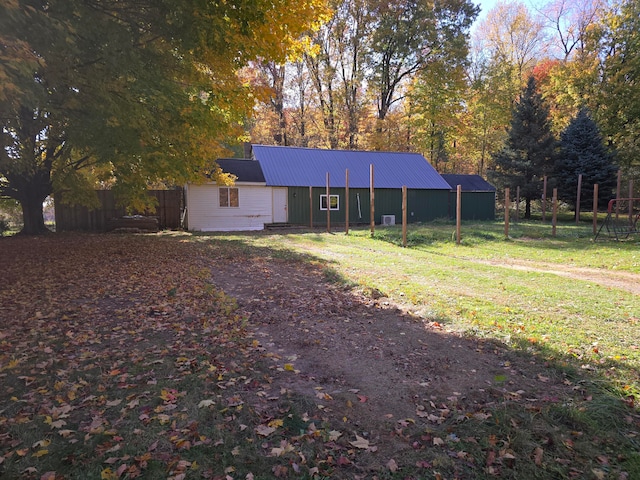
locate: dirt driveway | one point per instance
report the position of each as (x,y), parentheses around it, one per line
(377,365)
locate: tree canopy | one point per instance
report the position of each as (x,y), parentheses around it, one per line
(127,93)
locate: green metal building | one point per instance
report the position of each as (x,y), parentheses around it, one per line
(478,197)
(305,173)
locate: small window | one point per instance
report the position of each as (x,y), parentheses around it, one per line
(334,202)
(229,197)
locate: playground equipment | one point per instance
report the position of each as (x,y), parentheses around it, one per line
(622,221)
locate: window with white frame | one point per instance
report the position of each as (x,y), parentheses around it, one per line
(334,202)
(229,197)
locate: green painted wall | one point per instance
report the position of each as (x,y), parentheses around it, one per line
(475,205)
(422,205)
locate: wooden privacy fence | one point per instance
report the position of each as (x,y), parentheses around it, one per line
(72,218)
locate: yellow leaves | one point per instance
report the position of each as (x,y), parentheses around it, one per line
(41,444)
(276,423)
(54,424)
(13,363)
(283,449)
(108,474)
(170,395)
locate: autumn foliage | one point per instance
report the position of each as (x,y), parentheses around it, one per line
(101,339)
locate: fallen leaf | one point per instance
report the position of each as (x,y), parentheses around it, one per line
(206,403)
(538,454)
(265,430)
(360,443)
(392,465)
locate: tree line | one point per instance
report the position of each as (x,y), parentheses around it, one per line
(451,96)
(128,94)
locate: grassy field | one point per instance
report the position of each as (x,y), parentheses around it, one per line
(120,359)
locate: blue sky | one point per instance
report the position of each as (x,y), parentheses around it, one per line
(485,6)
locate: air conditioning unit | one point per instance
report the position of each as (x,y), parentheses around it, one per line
(388,219)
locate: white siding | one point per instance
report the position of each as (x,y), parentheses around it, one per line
(204,213)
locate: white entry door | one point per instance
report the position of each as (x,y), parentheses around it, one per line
(280,205)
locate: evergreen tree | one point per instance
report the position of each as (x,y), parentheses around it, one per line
(582,151)
(530,148)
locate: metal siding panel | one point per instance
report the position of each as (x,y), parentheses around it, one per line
(292,166)
(475,205)
(426,205)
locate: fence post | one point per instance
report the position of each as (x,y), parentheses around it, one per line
(458,213)
(578,199)
(544,198)
(372,208)
(346,205)
(311,207)
(618,187)
(507,206)
(630,202)
(554,220)
(328,206)
(518,203)
(595,208)
(404,215)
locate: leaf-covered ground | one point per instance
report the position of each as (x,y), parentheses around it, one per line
(134,356)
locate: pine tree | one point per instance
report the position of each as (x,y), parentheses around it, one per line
(582,151)
(529,152)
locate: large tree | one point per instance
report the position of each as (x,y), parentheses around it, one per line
(408,35)
(127,93)
(530,149)
(582,152)
(619,99)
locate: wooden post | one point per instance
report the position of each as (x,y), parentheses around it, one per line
(630,202)
(311,207)
(578,199)
(544,199)
(372,208)
(506,212)
(328,207)
(595,208)
(404,215)
(346,202)
(554,219)
(517,203)
(618,188)
(458,213)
